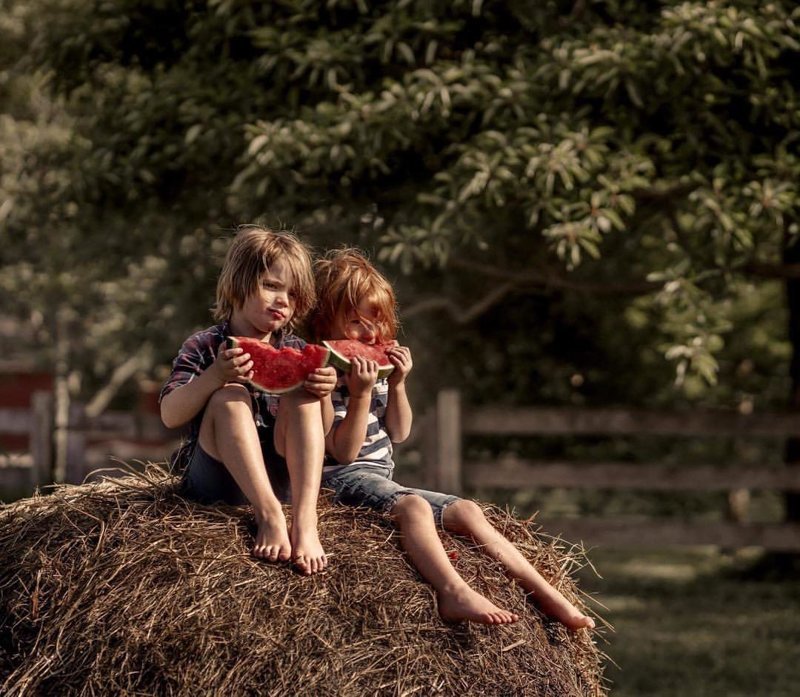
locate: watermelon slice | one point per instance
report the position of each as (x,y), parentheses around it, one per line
(277,371)
(342,350)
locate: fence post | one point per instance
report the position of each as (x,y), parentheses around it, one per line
(428,445)
(75,455)
(447,467)
(41,438)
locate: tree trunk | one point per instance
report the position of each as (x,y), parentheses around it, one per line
(62,397)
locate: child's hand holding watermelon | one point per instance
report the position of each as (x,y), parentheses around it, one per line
(362,377)
(321,382)
(233,365)
(400,356)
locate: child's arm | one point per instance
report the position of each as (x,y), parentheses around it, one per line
(182,404)
(327,414)
(346,440)
(398,410)
(321,383)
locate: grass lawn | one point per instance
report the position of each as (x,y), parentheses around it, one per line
(696,622)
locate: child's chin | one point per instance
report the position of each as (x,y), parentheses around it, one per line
(272,327)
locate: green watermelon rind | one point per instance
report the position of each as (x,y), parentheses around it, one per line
(232,342)
(343,363)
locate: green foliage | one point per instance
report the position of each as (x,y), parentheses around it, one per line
(634,164)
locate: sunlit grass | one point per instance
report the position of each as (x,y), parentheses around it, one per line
(694,622)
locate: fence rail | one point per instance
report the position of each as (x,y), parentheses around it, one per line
(521,474)
(91,442)
(444,431)
(575,421)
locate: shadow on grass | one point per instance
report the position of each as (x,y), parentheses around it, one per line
(773,567)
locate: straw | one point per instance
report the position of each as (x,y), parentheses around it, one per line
(121,586)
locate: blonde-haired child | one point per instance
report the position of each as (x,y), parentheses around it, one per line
(357,302)
(243,443)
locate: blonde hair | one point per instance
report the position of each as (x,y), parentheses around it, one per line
(345,278)
(253,250)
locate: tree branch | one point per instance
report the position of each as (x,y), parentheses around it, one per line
(775,271)
(516,281)
(658,194)
(460,315)
(550,280)
(122,373)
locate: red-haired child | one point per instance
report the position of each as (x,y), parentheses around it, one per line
(356,302)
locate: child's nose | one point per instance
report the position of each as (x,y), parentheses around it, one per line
(368,335)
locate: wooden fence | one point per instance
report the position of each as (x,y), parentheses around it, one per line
(444,431)
(21,473)
(94,442)
(89,444)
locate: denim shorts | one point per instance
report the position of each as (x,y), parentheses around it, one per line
(207,480)
(371,485)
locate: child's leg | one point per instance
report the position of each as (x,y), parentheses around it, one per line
(467,518)
(228,434)
(420,539)
(299,438)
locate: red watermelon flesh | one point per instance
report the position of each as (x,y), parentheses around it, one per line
(277,371)
(342,350)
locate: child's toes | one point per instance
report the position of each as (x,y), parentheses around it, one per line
(302,564)
(509,618)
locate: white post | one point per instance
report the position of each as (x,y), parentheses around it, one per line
(448,441)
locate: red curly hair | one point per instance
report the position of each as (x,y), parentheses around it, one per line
(344,279)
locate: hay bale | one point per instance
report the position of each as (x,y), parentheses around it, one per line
(122,587)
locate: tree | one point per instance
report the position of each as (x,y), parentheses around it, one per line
(634,166)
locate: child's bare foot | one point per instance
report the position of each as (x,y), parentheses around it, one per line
(272,538)
(307,552)
(463,603)
(555,605)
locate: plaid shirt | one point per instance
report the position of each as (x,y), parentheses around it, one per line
(198,352)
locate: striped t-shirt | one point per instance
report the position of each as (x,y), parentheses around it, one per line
(377,447)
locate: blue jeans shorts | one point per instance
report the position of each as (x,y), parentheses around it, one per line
(207,480)
(371,485)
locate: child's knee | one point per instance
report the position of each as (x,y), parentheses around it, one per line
(410,507)
(228,396)
(463,515)
(298,399)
